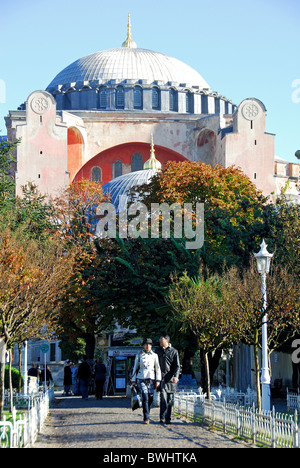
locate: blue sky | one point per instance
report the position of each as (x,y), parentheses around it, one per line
(242,49)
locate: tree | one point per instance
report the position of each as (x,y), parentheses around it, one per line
(32,280)
(284,221)
(283,309)
(203,305)
(133,282)
(234,208)
(75,215)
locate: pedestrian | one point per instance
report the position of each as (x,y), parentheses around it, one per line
(84,374)
(33,384)
(147,376)
(170,368)
(100,376)
(68,378)
(75,380)
(48,376)
(39,375)
(32,371)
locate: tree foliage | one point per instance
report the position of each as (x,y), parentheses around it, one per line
(234,208)
(203,304)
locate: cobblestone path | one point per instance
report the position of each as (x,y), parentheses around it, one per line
(110,423)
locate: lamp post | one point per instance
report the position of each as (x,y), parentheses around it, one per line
(263,258)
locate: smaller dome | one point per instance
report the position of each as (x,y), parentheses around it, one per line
(152,162)
(120,186)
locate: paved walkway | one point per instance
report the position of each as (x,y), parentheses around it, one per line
(110,423)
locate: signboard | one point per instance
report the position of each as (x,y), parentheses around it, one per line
(44,348)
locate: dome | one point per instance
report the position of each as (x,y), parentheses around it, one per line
(121,185)
(127,64)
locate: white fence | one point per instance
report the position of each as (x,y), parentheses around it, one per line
(230,395)
(266,428)
(23,430)
(293,401)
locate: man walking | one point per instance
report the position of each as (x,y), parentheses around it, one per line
(84,374)
(170,368)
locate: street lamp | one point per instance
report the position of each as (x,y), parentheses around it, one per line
(263,258)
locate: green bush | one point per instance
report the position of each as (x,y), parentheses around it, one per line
(15,377)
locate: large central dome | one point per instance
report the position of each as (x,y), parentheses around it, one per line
(128,64)
(133,80)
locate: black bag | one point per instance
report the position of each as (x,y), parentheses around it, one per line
(136,399)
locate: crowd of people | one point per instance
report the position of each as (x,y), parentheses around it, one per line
(42,375)
(77,378)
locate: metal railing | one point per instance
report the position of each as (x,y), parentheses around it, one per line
(23,429)
(270,429)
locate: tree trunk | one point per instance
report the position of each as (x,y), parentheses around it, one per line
(11,393)
(257,372)
(90,345)
(20,367)
(2,376)
(207,375)
(213,362)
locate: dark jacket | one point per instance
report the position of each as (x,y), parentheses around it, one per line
(84,371)
(170,367)
(100,372)
(67,376)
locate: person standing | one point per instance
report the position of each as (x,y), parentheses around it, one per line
(68,378)
(147,376)
(48,377)
(170,368)
(100,376)
(84,374)
(32,371)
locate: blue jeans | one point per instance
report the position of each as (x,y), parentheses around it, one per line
(166,403)
(146,389)
(84,388)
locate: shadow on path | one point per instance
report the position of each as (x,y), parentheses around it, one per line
(110,423)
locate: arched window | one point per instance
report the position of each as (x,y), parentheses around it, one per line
(118,170)
(155,98)
(138,97)
(189,102)
(204,104)
(96,174)
(102,98)
(120,97)
(173,104)
(137,162)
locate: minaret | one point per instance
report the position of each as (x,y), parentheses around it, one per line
(152,162)
(129,43)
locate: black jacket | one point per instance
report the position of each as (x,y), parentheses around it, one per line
(67,376)
(84,371)
(170,367)
(100,372)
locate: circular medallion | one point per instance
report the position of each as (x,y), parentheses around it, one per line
(250,111)
(40,104)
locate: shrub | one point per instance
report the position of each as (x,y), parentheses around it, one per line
(15,377)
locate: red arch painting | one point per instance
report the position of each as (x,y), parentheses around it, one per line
(123,153)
